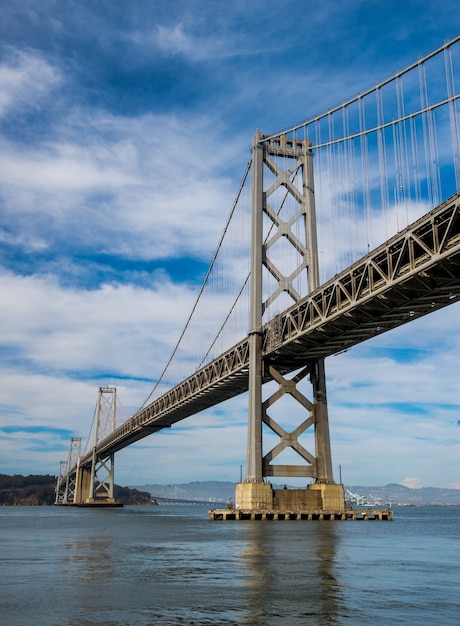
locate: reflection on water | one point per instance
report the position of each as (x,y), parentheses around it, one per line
(85,558)
(253,573)
(291,568)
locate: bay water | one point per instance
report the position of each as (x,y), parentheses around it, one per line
(169,565)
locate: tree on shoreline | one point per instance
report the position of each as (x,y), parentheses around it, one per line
(39,490)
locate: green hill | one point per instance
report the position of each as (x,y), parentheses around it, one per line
(38,490)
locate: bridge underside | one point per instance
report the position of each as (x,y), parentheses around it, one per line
(433,288)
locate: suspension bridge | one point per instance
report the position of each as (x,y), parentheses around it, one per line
(343,227)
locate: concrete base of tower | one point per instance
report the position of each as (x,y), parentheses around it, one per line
(253,496)
(332,495)
(100,502)
(259,501)
(257,496)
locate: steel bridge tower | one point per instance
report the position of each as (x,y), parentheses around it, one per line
(283,175)
(91,483)
(67,478)
(102,467)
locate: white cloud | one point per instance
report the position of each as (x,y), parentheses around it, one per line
(139,187)
(412,483)
(65,167)
(175,41)
(24,79)
(116,329)
(187,39)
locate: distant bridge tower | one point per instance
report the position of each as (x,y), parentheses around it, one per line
(90,482)
(284,226)
(67,479)
(101,481)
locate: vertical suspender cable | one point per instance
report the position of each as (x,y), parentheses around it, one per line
(405,180)
(415,160)
(332,191)
(365,174)
(381,150)
(453,115)
(430,143)
(319,202)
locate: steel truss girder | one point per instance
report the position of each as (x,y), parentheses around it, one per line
(225,375)
(415,273)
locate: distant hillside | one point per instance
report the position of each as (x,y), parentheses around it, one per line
(207,491)
(399,494)
(216,491)
(39,489)
(27,490)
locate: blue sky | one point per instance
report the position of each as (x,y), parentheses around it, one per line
(124,132)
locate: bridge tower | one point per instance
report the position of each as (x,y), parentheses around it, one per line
(66,487)
(282,177)
(89,480)
(97,480)
(60,485)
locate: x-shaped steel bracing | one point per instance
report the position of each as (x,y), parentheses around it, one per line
(288,439)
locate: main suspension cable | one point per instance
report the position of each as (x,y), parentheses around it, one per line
(176,347)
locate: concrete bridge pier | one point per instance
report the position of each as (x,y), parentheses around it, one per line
(83,484)
(315,497)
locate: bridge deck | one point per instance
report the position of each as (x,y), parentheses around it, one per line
(414,273)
